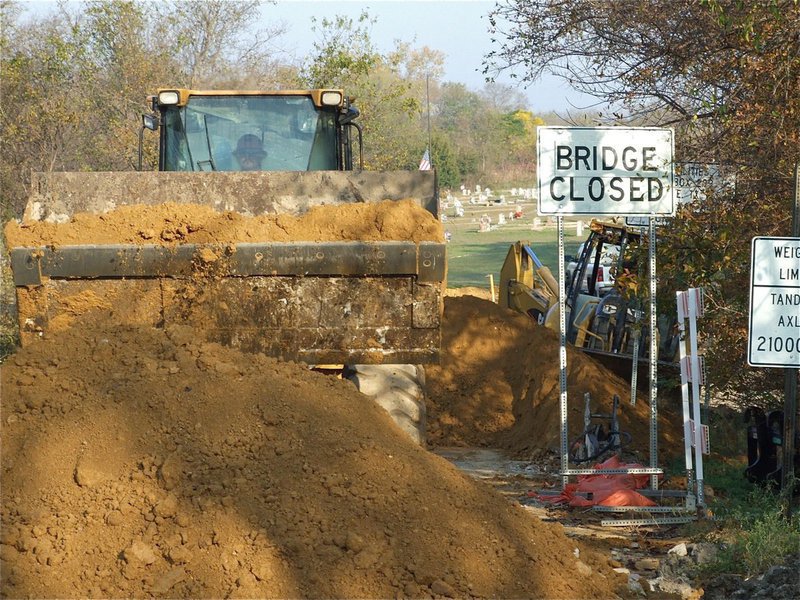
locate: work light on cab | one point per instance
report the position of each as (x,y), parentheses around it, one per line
(331,98)
(168,97)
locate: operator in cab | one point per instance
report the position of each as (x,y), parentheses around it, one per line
(249,152)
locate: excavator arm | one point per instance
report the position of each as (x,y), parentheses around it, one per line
(526,285)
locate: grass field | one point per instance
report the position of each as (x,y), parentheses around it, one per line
(473,255)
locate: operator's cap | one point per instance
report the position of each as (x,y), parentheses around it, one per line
(250,145)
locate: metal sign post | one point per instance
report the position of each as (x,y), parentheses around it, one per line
(790,380)
(562,356)
(605,171)
(653,358)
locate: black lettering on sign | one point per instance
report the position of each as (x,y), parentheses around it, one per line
(553,194)
(596,189)
(605,158)
(787,251)
(563,158)
(783,299)
(617,193)
(788,274)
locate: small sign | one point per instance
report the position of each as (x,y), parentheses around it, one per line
(605,171)
(694,181)
(645,221)
(774,332)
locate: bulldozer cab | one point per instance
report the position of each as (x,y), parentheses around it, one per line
(299,130)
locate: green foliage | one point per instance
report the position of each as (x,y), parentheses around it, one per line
(445,163)
(74,84)
(753,525)
(345,54)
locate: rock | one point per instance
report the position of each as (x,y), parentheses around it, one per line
(441,588)
(583,569)
(679,549)
(675,586)
(354,542)
(647,564)
(779,575)
(703,552)
(261,571)
(412,590)
(166,507)
(87,476)
(8,554)
(139,553)
(635,586)
(163,583)
(114,518)
(179,555)
(787,591)
(722,586)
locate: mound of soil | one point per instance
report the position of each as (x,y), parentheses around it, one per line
(498,385)
(149,463)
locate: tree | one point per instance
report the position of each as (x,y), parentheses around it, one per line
(74,82)
(445,162)
(216,41)
(725,75)
(389,88)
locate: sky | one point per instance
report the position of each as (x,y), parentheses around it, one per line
(457,28)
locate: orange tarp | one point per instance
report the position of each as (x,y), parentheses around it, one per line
(604,489)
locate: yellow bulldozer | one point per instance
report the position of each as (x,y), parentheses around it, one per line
(375,307)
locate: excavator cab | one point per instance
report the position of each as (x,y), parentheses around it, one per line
(598,317)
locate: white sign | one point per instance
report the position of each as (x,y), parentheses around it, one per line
(644,221)
(774,339)
(605,171)
(693,182)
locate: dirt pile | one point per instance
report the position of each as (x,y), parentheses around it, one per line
(170,224)
(498,385)
(145,462)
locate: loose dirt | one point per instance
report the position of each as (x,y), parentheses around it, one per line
(498,385)
(144,462)
(171,224)
(149,462)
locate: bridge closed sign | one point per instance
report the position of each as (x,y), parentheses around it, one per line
(605,171)
(774,332)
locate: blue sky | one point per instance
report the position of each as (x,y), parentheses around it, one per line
(458,28)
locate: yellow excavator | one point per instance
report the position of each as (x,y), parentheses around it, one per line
(374,306)
(603,312)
